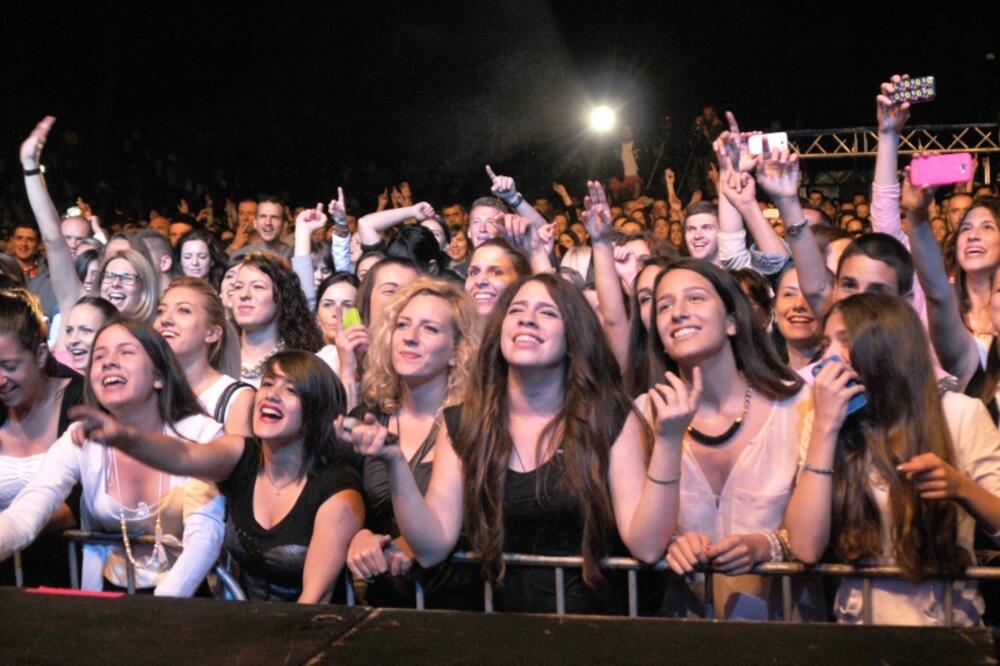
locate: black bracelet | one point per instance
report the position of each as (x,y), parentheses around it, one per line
(33,172)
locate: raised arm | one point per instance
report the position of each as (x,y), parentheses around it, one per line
(778,175)
(647,498)
(306,223)
(610,298)
(431,523)
(809,512)
(65,282)
(370,225)
(214,460)
(955,346)
(505,189)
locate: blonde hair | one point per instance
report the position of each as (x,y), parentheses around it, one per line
(381,387)
(224,353)
(149,283)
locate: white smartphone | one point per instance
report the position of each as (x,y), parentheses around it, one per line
(777,140)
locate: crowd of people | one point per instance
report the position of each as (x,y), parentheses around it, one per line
(758,374)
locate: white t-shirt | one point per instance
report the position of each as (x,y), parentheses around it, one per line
(191,514)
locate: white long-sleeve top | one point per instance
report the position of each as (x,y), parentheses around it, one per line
(191,513)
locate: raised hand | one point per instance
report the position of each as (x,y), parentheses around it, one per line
(738,145)
(891,116)
(383,199)
(687,552)
(97,426)
(521,233)
(670,177)
(778,174)
(831,394)
(560,189)
(916,201)
(674,406)
(397,198)
(597,213)
(31,149)
(547,237)
(182,207)
(421,211)
(503,187)
(310,220)
(338,211)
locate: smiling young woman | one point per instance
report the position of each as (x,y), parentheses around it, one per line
(35,397)
(134,380)
(192,319)
(731,452)
(420,362)
(529,466)
(294,502)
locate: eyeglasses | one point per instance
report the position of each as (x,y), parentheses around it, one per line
(128,279)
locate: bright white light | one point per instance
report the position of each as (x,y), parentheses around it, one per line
(602,119)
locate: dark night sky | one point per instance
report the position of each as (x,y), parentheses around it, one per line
(458,84)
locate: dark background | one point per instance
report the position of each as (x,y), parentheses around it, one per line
(159,98)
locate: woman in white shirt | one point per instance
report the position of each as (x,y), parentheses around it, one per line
(730,455)
(134,376)
(192,319)
(900,481)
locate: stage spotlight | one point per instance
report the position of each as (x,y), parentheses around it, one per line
(602,119)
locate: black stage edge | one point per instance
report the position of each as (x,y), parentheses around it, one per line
(43,629)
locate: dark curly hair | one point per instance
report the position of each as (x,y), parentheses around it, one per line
(296,324)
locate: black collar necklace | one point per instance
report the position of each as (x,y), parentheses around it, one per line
(716,440)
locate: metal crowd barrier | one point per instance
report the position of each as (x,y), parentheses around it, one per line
(786,570)
(74,537)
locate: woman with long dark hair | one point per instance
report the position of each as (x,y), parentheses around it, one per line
(735,416)
(901,480)
(529,467)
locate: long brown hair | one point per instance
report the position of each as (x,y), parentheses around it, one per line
(594,409)
(755,355)
(903,418)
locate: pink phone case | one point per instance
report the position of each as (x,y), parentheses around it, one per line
(941,169)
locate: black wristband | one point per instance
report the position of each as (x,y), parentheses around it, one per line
(33,172)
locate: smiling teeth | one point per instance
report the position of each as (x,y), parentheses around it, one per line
(270,413)
(482,296)
(108,381)
(525,337)
(685,332)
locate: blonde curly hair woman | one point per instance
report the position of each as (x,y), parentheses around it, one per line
(420,361)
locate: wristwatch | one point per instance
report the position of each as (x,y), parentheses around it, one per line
(794,230)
